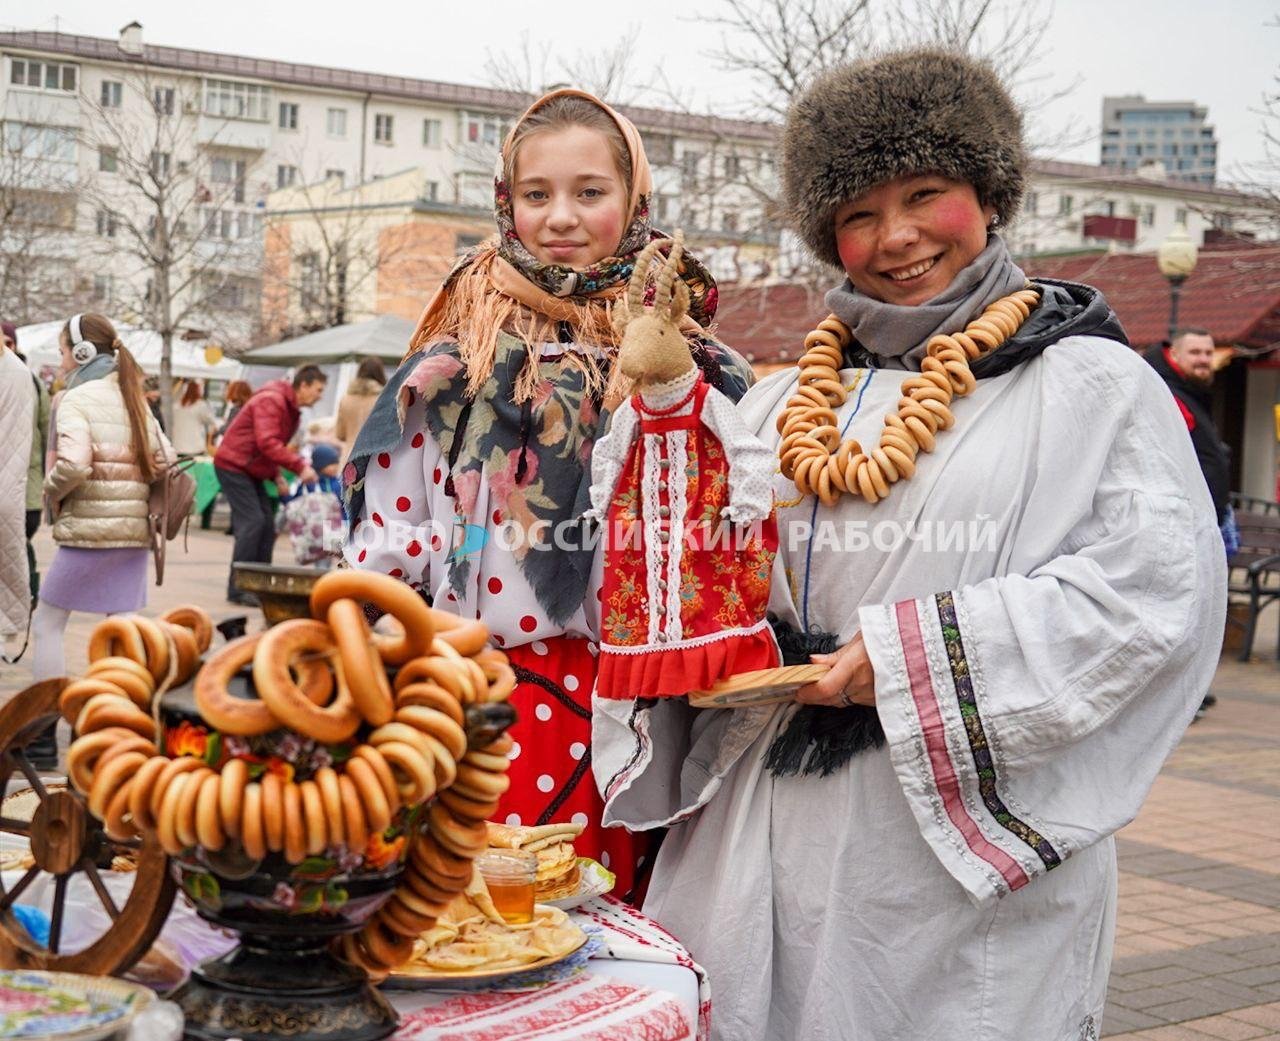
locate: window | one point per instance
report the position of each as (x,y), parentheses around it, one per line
(228,224)
(112,93)
(228,293)
(1033,203)
(160,165)
(431,191)
(42,75)
(162,101)
(431,133)
(666,209)
(339,175)
(309,280)
(382,127)
(732,167)
(286,176)
(55,144)
(233,100)
(689,164)
(729,223)
(764,166)
(1065,205)
(101,289)
(660,148)
(463,243)
(288,115)
(105,224)
(1179,216)
(223,170)
(482,128)
(335,122)
(108,160)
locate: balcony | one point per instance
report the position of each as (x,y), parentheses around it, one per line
(1112,229)
(223,132)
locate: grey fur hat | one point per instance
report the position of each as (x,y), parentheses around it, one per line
(925,110)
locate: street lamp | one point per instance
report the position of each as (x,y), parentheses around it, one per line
(1176,259)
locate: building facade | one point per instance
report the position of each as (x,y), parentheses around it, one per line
(1137,132)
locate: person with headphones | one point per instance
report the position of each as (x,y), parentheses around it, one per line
(108,449)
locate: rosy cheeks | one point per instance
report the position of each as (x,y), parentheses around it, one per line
(855,248)
(952,217)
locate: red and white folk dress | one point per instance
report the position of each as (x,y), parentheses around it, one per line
(690,537)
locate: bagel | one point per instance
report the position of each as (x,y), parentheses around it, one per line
(429,695)
(272,811)
(399,919)
(405,734)
(426,888)
(382,771)
(314,818)
(501,679)
(83,753)
(331,797)
(468,638)
(156,641)
(445,673)
(186,648)
(133,743)
(285,700)
(468,809)
(116,820)
(388,949)
(114,710)
(407,762)
(466,840)
(492,783)
(167,815)
(140,792)
(109,778)
(446,768)
(232,782)
(173,768)
(241,716)
(252,837)
(417,904)
(438,725)
(76,694)
(194,619)
(392,596)
(209,829)
(184,818)
(354,822)
(362,667)
(441,865)
(137,690)
(487,761)
(369,789)
(117,636)
(295,830)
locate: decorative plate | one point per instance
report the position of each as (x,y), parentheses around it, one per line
(66,1006)
(419,977)
(594,880)
(763,687)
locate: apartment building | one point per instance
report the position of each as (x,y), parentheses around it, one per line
(228,131)
(1136,131)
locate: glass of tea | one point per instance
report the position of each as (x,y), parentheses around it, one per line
(510,875)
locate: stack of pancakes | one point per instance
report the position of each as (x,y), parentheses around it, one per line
(553,845)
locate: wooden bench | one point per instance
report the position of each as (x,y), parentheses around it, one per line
(1253,571)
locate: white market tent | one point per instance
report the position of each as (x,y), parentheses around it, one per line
(40,344)
(385,337)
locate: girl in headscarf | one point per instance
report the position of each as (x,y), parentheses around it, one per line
(470,478)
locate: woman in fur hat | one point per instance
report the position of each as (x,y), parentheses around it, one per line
(470,477)
(971,470)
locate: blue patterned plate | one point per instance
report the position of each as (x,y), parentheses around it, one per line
(66,1006)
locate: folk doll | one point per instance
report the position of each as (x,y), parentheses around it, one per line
(685,493)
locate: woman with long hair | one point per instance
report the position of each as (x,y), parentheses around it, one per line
(107,450)
(193,421)
(487,427)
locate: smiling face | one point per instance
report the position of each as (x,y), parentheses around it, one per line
(568,197)
(905,241)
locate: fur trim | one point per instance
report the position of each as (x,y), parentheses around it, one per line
(927,110)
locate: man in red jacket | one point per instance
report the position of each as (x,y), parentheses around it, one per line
(254,449)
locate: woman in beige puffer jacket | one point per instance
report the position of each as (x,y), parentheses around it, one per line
(97,487)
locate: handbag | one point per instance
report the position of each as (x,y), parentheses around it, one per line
(172,495)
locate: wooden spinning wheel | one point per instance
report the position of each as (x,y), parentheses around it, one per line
(65,842)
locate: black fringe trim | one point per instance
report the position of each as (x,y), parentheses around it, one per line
(818,740)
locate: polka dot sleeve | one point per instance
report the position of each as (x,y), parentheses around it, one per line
(395,527)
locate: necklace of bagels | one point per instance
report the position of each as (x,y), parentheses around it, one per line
(812,453)
(323,678)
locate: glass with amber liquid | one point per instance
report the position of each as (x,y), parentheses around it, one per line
(510,875)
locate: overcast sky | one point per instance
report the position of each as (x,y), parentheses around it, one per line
(1219,53)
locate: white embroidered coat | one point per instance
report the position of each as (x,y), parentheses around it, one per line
(959,883)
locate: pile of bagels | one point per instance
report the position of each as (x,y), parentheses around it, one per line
(325,679)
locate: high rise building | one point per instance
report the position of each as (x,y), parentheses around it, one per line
(1138,133)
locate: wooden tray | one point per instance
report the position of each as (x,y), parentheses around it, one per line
(763,687)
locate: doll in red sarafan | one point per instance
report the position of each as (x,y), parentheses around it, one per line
(684,490)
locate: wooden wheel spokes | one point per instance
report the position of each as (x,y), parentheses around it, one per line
(66,841)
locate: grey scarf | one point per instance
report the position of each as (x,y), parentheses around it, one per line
(101,365)
(895,336)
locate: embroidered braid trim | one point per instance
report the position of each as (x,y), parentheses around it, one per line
(811,451)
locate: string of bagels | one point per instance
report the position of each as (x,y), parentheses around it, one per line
(812,453)
(324,678)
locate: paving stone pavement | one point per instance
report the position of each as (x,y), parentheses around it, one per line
(1197,952)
